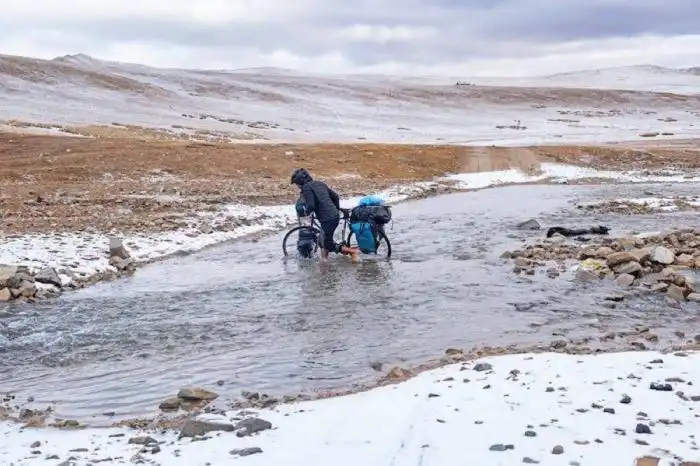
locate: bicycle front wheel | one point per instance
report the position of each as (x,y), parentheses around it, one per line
(288,245)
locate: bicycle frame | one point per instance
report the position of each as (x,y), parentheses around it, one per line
(345,218)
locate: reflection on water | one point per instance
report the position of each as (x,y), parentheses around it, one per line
(242,314)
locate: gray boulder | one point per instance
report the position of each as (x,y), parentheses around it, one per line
(48,276)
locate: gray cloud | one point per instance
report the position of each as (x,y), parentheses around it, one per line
(368,32)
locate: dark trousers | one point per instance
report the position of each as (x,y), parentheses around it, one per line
(328,227)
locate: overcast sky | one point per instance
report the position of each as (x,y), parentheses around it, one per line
(455,37)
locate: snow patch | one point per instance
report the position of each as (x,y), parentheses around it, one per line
(523,406)
(560,173)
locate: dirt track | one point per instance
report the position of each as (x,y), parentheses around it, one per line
(64,183)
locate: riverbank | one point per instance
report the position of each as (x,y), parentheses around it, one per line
(66,199)
(543,408)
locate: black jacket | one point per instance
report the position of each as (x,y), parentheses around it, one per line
(321,200)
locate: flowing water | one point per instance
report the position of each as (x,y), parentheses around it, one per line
(240,314)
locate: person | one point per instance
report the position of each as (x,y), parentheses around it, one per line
(325,203)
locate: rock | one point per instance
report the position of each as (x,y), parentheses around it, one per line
(660,287)
(48,276)
(676,292)
(625,280)
(642,429)
(586,275)
(685,260)
(618,258)
(16,280)
(626,399)
(246,451)
(523,262)
(530,433)
(398,373)
(5,295)
(603,252)
(647,461)
(6,271)
(609,410)
(642,254)
(663,255)
(501,447)
(531,224)
(144,440)
(694,297)
(630,268)
(194,428)
(26,289)
(251,426)
(122,264)
(196,394)
(171,404)
(528,460)
(558,450)
(661,387)
(117,249)
(558,344)
(482,367)
(36,444)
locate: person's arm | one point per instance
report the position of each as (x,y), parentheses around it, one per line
(309,199)
(335,198)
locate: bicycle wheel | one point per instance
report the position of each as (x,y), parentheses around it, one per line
(295,231)
(383,244)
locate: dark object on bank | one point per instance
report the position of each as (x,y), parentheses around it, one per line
(599,230)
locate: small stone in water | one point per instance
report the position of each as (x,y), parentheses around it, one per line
(530,433)
(558,450)
(528,460)
(609,410)
(626,399)
(483,366)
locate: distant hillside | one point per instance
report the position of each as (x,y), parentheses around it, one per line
(277,104)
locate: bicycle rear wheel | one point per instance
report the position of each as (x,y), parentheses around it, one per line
(289,242)
(383,244)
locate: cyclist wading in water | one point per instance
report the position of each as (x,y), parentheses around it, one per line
(325,203)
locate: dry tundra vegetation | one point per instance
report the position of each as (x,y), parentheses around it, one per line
(63,183)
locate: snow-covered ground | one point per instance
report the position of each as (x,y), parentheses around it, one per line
(289,106)
(559,173)
(548,409)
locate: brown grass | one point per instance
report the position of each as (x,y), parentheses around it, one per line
(54,183)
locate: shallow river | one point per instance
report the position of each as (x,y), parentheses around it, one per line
(240,314)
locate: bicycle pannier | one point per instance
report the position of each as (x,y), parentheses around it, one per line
(365,235)
(306,242)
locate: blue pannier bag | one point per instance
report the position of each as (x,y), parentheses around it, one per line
(364,233)
(371,200)
(306,242)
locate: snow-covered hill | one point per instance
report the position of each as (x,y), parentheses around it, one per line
(278,104)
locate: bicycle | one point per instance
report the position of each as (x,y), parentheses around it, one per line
(382,243)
